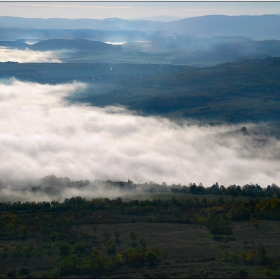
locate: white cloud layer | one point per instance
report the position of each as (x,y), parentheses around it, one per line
(42,134)
(26,56)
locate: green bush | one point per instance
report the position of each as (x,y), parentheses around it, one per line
(151,257)
(64,250)
(135,256)
(68,266)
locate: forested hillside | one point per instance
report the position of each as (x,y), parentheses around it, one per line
(246,90)
(233,92)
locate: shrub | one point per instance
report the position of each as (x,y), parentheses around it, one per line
(151,257)
(135,256)
(119,258)
(243,274)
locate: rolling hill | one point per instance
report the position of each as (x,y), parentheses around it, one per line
(79,44)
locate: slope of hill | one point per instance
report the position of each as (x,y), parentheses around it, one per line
(80,44)
(264,27)
(232,92)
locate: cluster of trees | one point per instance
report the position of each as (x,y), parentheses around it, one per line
(97,262)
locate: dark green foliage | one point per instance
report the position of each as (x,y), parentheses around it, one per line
(69,265)
(64,250)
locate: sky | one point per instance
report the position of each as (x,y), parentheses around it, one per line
(133,10)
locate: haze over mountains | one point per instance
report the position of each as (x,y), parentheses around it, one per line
(199,41)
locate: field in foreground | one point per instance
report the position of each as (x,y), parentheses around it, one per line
(102,238)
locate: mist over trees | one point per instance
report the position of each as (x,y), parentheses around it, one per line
(59,188)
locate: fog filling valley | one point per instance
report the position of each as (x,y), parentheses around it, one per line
(43,134)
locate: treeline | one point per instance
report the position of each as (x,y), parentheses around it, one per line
(253,190)
(21,220)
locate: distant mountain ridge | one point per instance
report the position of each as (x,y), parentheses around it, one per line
(165,18)
(262,27)
(191,51)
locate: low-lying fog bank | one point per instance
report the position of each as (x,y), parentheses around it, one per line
(43,134)
(28,56)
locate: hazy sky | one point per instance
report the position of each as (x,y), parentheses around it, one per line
(133,10)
